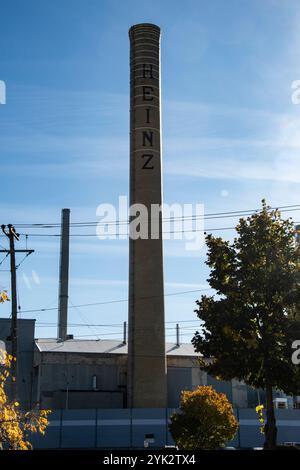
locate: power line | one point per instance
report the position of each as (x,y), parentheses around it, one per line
(55,341)
(125,234)
(85,224)
(81,315)
(23,259)
(4,258)
(288,208)
(209,216)
(213,229)
(193,326)
(91,325)
(120,333)
(111,325)
(115,301)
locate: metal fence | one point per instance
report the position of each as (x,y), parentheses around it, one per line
(126,428)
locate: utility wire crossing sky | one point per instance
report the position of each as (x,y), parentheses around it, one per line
(230,135)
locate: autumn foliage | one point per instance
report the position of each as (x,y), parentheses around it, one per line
(205,420)
(3,297)
(16,425)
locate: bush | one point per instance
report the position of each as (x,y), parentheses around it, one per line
(205,420)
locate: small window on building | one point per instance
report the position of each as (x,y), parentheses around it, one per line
(281,405)
(122,379)
(94,382)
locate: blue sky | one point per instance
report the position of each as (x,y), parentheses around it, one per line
(230,134)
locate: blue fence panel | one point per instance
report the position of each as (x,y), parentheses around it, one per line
(169,438)
(288,423)
(250,435)
(125,428)
(78,429)
(113,428)
(235,442)
(149,421)
(51,438)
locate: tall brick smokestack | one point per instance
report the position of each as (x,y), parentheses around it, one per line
(146,334)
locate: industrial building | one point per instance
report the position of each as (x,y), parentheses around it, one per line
(80,374)
(84,383)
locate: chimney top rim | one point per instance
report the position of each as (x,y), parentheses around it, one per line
(141,26)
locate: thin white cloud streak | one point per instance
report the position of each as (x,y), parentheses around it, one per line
(88,282)
(276,160)
(253,161)
(270,152)
(285,168)
(108,248)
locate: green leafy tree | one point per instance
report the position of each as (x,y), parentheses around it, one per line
(249,326)
(205,420)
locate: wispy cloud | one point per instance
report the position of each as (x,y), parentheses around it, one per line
(273,156)
(94,282)
(267,150)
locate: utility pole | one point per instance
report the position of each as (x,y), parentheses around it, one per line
(297,229)
(12,236)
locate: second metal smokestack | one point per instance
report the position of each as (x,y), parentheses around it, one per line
(63,276)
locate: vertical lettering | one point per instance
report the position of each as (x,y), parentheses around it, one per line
(147,90)
(147,70)
(147,165)
(147,137)
(148,115)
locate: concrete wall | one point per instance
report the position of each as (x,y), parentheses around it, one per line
(126,428)
(65,381)
(68,383)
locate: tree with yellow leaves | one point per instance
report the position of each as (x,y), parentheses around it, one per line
(16,424)
(205,420)
(3,297)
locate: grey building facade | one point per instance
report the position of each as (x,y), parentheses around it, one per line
(84,384)
(79,374)
(83,374)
